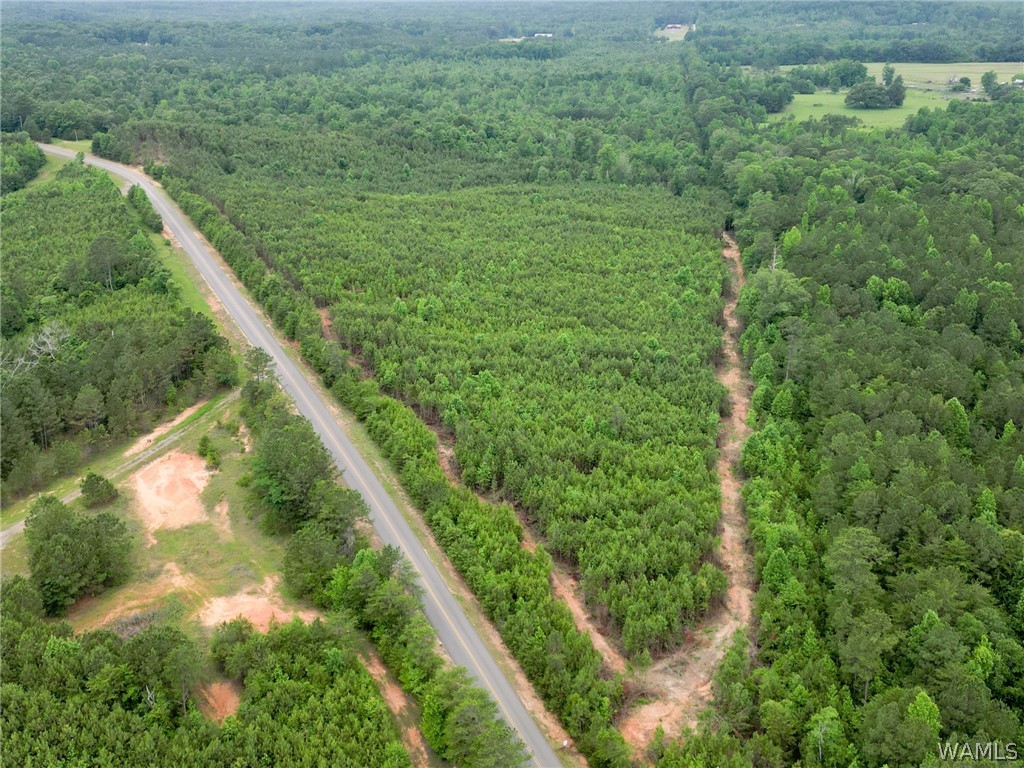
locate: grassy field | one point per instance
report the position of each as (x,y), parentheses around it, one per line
(112,464)
(85,145)
(217,557)
(926,87)
(934,77)
(816,105)
(48,171)
(672,35)
(185,567)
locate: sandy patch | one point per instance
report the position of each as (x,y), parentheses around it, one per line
(146,440)
(682,681)
(261,604)
(167,492)
(245,437)
(219,699)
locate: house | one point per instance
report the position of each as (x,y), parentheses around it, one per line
(673,26)
(543,34)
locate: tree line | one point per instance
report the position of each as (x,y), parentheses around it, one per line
(327,561)
(96,342)
(128,699)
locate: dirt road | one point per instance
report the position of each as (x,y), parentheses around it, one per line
(682,681)
(137,457)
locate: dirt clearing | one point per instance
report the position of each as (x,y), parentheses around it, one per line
(682,681)
(167,492)
(134,598)
(260,604)
(219,699)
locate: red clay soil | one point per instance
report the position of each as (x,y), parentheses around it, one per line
(400,705)
(219,699)
(682,681)
(325,323)
(261,604)
(147,439)
(167,492)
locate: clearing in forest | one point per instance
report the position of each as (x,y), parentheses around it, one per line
(196,558)
(675,32)
(167,492)
(219,699)
(134,607)
(261,604)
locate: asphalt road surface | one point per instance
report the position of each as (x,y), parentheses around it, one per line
(445,614)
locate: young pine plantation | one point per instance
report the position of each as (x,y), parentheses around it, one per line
(496,233)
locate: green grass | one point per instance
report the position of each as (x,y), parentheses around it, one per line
(85,145)
(926,87)
(178,265)
(15,557)
(672,35)
(934,77)
(48,171)
(816,105)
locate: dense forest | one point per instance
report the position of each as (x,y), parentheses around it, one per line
(96,343)
(512,248)
(20,161)
(102,698)
(307,698)
(886,492)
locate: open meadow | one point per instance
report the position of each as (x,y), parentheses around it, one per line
(927,86)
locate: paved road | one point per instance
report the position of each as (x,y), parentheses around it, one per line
(443,611)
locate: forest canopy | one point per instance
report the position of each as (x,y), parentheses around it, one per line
(96,341)
(503,256)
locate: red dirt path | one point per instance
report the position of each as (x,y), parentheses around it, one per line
(682,681)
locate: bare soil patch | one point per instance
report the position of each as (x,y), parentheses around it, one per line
(326,327)
(146,440)
(400,705)
(261,604)
(566,588)
(135,598)
(446,458)
(167,492)
(682,681)
(219,699)
(245,437)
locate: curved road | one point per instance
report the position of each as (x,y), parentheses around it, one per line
(445,614)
